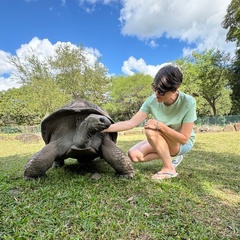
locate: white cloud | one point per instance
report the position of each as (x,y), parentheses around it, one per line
(6,83)
(92,55)
(7,79)
(43,48)
(89,5)
(195,22)
(5,66)
(133,65)
(152,43)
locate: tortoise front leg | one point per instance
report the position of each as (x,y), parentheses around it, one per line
(115,157)
(40,162)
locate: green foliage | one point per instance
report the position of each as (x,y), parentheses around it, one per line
(213,75)
(77,77)
(127,95)
(201,203)
(50,83)
(235,84)
(206,77)
(232,23)
(37,78)
(16,108)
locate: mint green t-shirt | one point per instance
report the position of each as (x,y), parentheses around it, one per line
(183,110)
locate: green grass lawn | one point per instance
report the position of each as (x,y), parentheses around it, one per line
(203,202)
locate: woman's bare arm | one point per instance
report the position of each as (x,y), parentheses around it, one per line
(138,118)
(180,137)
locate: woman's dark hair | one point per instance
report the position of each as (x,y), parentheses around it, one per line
(168,78)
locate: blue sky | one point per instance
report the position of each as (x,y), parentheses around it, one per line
(129,35)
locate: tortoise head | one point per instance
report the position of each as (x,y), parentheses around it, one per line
(96,123)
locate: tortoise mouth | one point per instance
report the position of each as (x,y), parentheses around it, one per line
(97,122)
(103,123)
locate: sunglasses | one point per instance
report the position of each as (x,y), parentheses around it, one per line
(160,92)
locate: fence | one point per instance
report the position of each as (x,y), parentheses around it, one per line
(218,120)
(201,121)
(20,129)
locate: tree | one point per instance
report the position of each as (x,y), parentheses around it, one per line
(232,23)
(16,109)
(127,95)
(235,84)
(191,84)
(56,80)
(36,75)
(206,77)
(212,68)
(76,76)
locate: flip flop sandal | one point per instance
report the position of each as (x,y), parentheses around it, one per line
(161,176)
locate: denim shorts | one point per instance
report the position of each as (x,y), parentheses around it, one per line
(185,148)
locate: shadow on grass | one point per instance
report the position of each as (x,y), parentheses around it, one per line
(205,194)
(197,166)
(207,187)
(13,166)
(72,166)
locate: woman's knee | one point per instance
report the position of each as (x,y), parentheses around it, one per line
(134,155)
(152,134)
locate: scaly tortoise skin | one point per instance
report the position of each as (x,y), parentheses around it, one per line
(74,131)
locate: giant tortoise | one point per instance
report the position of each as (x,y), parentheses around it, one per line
(75,131)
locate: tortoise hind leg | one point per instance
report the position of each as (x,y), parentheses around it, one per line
(115,157)
(58,162)
(40,162)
